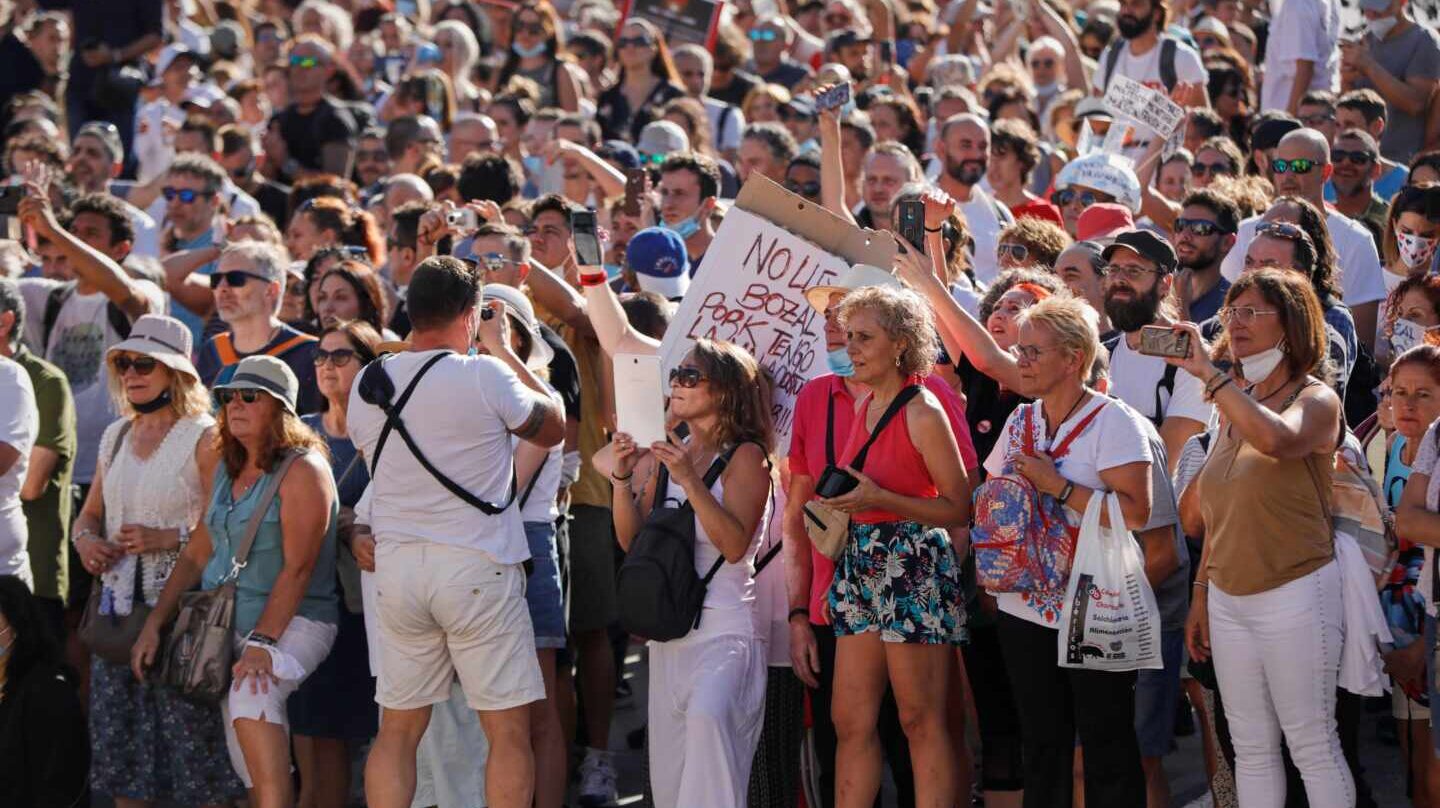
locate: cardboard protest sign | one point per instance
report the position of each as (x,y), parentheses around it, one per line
(1127,98)
(771,247)
(682,22)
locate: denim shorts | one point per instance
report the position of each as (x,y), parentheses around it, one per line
(1156,693)
(542,589)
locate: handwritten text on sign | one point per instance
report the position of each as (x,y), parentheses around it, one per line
(751,291)
(1127,98)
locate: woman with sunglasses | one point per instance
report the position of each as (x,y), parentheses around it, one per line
(285,604)
(1266,603)
(537,52)
(1216,157)
(647,79)
(707,689)
(335,706)
(152,483)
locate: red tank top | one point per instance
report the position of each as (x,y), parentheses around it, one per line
(893,462)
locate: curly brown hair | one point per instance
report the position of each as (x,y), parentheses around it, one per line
(906,318)
(286,432)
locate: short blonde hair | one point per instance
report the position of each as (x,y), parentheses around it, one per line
(188,397)
(906,318)
(1073,322)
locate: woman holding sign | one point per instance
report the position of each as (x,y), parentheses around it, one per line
(707,687)
(1072,444)
(1267,597)
(895,599)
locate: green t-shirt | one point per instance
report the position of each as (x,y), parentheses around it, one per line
(48,518)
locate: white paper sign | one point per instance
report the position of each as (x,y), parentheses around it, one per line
(750,291)
(1150,108)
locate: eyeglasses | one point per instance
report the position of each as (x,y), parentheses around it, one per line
(234,279)
(1213,169)
(186,195)
(1283,230)
(687,377)
(1065,196)
(1202,228)
(338,358)
(1243,315)
(1359,157)
(1030,353)
(1130,272)
(763,35)
(1015,252)
(1318,118)
(142,365)
(808,189)
(1299,165)
(633,42)
(249,395)
(304,62)
(533,28)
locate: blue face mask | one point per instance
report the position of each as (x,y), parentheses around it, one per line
(612,271)
(839,362)
(533,164)
(529,53)
(685,228)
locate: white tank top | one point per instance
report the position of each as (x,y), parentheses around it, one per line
(730,598)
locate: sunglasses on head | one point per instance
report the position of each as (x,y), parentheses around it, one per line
(305,62)
(686,377)
(1359,157)
(234,279)
(339,358)
(1283,230)
(249,395)
(1196,227)
(143,365)
(1299,165)
(186,195)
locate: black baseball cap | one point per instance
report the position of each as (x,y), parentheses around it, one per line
(1269,133)
(1147,245)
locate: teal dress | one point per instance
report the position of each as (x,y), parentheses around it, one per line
(227,519)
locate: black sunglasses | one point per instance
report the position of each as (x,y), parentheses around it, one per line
(1359,157)
(807,189)
(235,278)
(1065,196)
(1203,228)
(1213,169)
(186,195)
(143,365)
(687,377)
(249,395)
(338,358)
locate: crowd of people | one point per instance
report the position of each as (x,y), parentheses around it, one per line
(313,309)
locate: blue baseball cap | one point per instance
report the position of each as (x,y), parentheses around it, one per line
(660,262)
(621,152)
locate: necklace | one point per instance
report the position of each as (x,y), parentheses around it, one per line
(1051,432)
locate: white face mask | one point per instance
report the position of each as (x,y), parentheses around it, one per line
(1257,368)
(1047,89)
(1415,251)
(1381,28)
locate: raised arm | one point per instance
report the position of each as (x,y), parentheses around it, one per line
(612,326)
(610,179)
(89,264)
(832,164)
(1076,74)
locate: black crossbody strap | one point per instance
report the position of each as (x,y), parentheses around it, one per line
(392,411)
(830,431)
(717,467)
(898,403)
(534,478)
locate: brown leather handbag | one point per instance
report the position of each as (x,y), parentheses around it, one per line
(200,648)
(111,636)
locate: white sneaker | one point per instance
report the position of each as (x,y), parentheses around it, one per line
(597,780)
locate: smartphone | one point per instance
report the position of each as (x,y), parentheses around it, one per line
(1162,340)
(634,189)
(463,219)
(912,222)
(640,398)
(887,54)
(587,239)
(833,97)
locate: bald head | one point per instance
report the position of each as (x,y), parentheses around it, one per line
(1302,165)
(404,188)
(1308,144)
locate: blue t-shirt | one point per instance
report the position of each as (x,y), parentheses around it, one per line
(1208,305)
(193,321)
(350,480)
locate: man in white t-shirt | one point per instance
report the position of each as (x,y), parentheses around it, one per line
(72,323)
(963,150)
(727,122)
(1302,53)
(1140,272)
(451,588)
(1145,54)
(19,423)
(1362,281)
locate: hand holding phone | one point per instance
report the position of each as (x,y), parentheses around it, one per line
(463,220)
(833,97)
(639,398)
(1162,340)
(912,222)
(587,238)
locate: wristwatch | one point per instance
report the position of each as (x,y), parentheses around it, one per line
(184,536)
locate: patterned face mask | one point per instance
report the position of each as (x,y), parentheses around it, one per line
(1415,251)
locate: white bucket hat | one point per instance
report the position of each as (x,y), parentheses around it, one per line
(164,339)
(518,306)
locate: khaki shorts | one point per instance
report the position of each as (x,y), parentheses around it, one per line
(447,611)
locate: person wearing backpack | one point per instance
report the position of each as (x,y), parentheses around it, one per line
(707,686)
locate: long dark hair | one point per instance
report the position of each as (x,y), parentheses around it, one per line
(366,284)
(31,639)
(739,390)
(554,42)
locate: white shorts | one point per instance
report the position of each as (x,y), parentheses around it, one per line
(447,611)
(300,650)
(1404,708)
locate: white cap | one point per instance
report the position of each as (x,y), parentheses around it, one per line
(1104,172)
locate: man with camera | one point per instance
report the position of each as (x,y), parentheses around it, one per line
(449,540)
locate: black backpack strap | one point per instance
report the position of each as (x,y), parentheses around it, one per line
(53,303)
(1167,386)
(901,399)
(1113,342)
(1112,58)
(534,478)
(119,320)
(1168,76)
(392,411)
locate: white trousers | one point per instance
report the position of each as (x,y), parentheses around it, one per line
(707,703)
(1277,658)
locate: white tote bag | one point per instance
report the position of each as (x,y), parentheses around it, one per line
(1110,621)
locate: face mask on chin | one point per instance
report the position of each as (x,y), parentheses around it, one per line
(685,228)
(529,53)
(1258,367)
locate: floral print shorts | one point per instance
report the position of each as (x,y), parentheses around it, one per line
(901,579)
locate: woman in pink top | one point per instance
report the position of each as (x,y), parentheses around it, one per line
(895,600)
